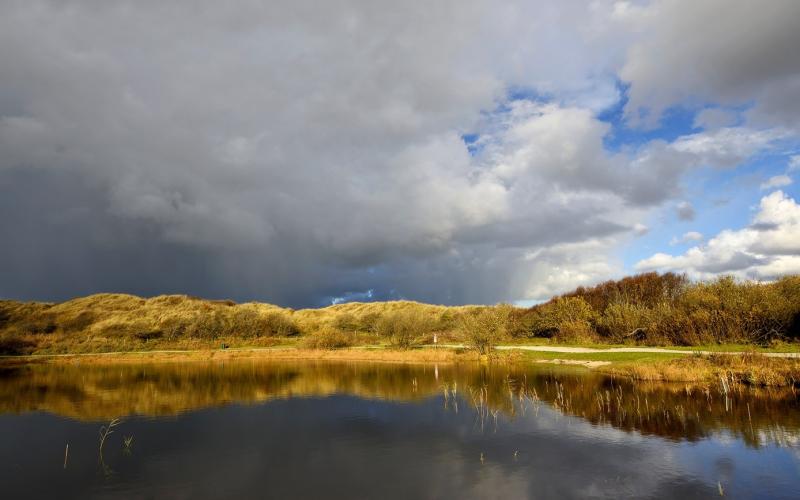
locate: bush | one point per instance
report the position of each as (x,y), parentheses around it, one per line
(251,323)
(519,322)
(725,310)
(789,290)
(173,327)
(38,327)
(346,322)
(624,321)
(647,290)
(669,325)
(328,337)
(548,319)
(369,322)
(281,325)
(149,335)
(15,346)
(484,328)
(79,323)
(37,324)
(402,328)
(247,323)
(575,332)
(208,325)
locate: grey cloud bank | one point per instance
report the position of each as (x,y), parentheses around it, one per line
(299,152)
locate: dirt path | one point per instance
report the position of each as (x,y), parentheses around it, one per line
(535,348)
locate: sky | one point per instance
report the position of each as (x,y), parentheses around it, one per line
(306,153)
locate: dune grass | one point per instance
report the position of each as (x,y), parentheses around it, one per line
(648,309)
(119,322)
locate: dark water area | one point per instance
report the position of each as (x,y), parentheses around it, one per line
(255,429)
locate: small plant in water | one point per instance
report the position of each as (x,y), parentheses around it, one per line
(126,444)
(106,431)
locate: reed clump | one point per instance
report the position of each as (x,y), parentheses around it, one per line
(753,369)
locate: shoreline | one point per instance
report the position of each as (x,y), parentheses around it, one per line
(652,365)
(438,355)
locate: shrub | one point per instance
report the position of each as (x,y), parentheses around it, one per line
(647,289)
(5,316)
(448,320)
(37,324)
(79,323)
(575,332)
(402,328)
(519,322)
(122,329)
(173,327)
(548,319)
(624,321)
(247,323)
(484,328)
(725,310)
(149,335)
(328,337)
(281,325)
(15,346)
(251,323)
(368,322)
(346,322)
(208,325)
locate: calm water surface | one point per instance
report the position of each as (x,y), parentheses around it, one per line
(250,429)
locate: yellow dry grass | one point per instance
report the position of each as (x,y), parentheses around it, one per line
(649,309)
(120,322)
(749,369)
(414,356)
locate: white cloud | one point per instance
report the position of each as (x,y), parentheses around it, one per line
(688,237)
(768,248)
(776,181)
(727,147)
(713,118)
(794,163)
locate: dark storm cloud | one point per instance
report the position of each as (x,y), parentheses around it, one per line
(728,52)
(298,152)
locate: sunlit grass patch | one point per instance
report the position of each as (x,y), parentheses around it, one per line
(749,368)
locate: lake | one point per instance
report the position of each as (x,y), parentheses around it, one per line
(268,429)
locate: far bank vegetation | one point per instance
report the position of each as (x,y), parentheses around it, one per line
(647,309)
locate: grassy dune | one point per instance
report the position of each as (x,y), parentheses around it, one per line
(119,322)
